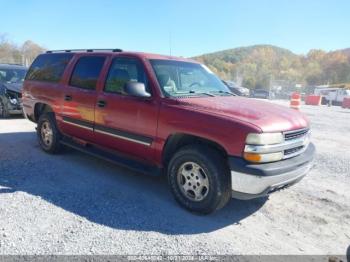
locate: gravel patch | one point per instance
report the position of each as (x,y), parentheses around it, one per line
(76,204)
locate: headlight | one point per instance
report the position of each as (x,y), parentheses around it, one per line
(13,101)
(264,138)
(261,140)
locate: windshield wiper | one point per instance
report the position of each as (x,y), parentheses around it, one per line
(201,93)
(223,92)
(195,93)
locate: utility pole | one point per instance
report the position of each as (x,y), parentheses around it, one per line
(170,42)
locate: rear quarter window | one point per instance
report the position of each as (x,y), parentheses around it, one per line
(48,67)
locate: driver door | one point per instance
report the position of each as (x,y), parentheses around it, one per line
(122,122)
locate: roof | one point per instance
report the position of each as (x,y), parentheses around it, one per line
(157,56)
(141,55)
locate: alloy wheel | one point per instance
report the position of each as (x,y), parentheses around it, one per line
(46,133)
(193,181)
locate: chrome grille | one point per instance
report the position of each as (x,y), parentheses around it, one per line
(295,143)
(292,150)
(290,136)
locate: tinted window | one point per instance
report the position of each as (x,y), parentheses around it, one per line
(87,71)
(48,67)
(122,71)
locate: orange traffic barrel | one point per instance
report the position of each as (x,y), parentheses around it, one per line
(346,102)
(295,101)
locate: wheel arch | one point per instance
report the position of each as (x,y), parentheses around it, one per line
(41,108)
(178,140)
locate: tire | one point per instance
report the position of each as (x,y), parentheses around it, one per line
(324,101)
(48,134)
(4,113)
(202,190)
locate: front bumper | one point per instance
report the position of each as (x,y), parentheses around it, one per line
(258,180)
(13,105)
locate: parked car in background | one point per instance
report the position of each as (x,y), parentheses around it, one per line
(167,116)
(235,89)
(260,93)
(11,81)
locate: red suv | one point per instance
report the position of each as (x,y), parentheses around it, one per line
(165,115)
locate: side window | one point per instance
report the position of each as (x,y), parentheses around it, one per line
(87,71)
(48,67)
(122,71)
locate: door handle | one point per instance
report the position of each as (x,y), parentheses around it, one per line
(68,98)
(101,103)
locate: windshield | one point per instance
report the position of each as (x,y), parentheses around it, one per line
(12,75)
(178,78)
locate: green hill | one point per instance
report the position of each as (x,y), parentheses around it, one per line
(258,65)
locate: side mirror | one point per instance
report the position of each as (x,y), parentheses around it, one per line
(136,89)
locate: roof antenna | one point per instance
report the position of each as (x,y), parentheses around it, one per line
(170,42)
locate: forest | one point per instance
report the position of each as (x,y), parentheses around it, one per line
(256,66)
(23,54)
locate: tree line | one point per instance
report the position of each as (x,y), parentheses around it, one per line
(259,66)
(253,67)
(24,54)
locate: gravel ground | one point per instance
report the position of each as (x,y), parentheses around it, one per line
(75,204)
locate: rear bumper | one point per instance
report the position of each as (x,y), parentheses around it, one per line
(258,180)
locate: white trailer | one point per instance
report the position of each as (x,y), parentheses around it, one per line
(333,95)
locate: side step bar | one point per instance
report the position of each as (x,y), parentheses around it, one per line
(113,158)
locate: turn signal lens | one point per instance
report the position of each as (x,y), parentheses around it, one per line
(252,157)
(263,158)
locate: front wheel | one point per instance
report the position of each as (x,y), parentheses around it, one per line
(199,179)
(48,133)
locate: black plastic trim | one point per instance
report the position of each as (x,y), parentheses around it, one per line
(78,122)
(122,134)
(114,157)
(110,131)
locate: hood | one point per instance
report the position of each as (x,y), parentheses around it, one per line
(16,87)
(267,116)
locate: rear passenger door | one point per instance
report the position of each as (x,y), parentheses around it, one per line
(79,96)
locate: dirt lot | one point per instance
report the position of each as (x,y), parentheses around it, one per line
(76,204)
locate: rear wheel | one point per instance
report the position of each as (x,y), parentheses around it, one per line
(199,179)
(48,133)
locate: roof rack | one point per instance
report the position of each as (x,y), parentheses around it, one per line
(85,50)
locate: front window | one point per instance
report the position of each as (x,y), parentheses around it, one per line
(122,71)
(178,78)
